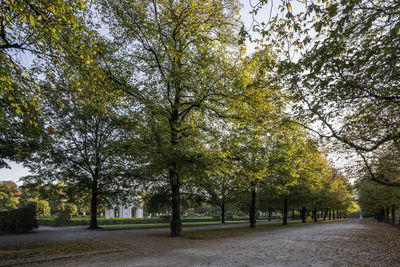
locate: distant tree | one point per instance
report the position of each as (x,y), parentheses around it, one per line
(8,199)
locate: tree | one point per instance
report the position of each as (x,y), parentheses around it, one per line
(8,199)
(259,116)
(347,78)
(176,61)
(353,69)
(88,150)
(373,197)
(33,30)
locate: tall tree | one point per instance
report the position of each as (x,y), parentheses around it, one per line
(181,54)
(88,150)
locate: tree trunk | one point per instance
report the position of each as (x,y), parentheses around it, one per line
(333,214)
(330,215)
(93,205)
(387,213)
(393,214)
(293,215)
(303,214)
(315,215)
(285,211)
(269,214)
(380,215)
(253,207)
(326,212)
(176,225)
(223,212)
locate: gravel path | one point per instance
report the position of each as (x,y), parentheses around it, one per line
(346,243)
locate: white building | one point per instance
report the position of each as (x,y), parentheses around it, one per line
(123,211)
(123,205)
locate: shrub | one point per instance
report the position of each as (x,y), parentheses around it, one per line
(229,217)
(19,220)
(165,219)
(42,208)
(70,209)
(216,218)
(64,217)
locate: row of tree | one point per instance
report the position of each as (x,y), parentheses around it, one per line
(159,96)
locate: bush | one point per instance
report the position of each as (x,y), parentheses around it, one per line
(165,219)
(63,219)
(216,218)
(42,208)
(229,217)
(19,220)
(70,209)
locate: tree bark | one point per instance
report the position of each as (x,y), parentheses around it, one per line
(269,214)
(285,211)
(326,212)
(176,225)
(330,215)
(380,215)
(315,215)
(303,214)
(253,207)
(293,215)
(93,205)
(387,213)
(333,214)
(223,212)
(393,214)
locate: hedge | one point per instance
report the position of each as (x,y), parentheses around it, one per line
(19,220)
(113,221)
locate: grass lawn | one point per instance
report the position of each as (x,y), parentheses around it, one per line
(229,230)
(163,225)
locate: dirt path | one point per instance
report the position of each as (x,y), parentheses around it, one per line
(345,243)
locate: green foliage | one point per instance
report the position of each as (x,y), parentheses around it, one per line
(42,207)
(18,220)
(65,216)
(373,196)
(346,78)
(70,209)
(183,66)
(34,30)
(8,199)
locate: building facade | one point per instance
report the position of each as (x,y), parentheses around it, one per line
(124,210)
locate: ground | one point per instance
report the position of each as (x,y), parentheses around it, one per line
(352,242)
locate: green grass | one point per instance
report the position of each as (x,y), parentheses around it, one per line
(160,225)
(163,225)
